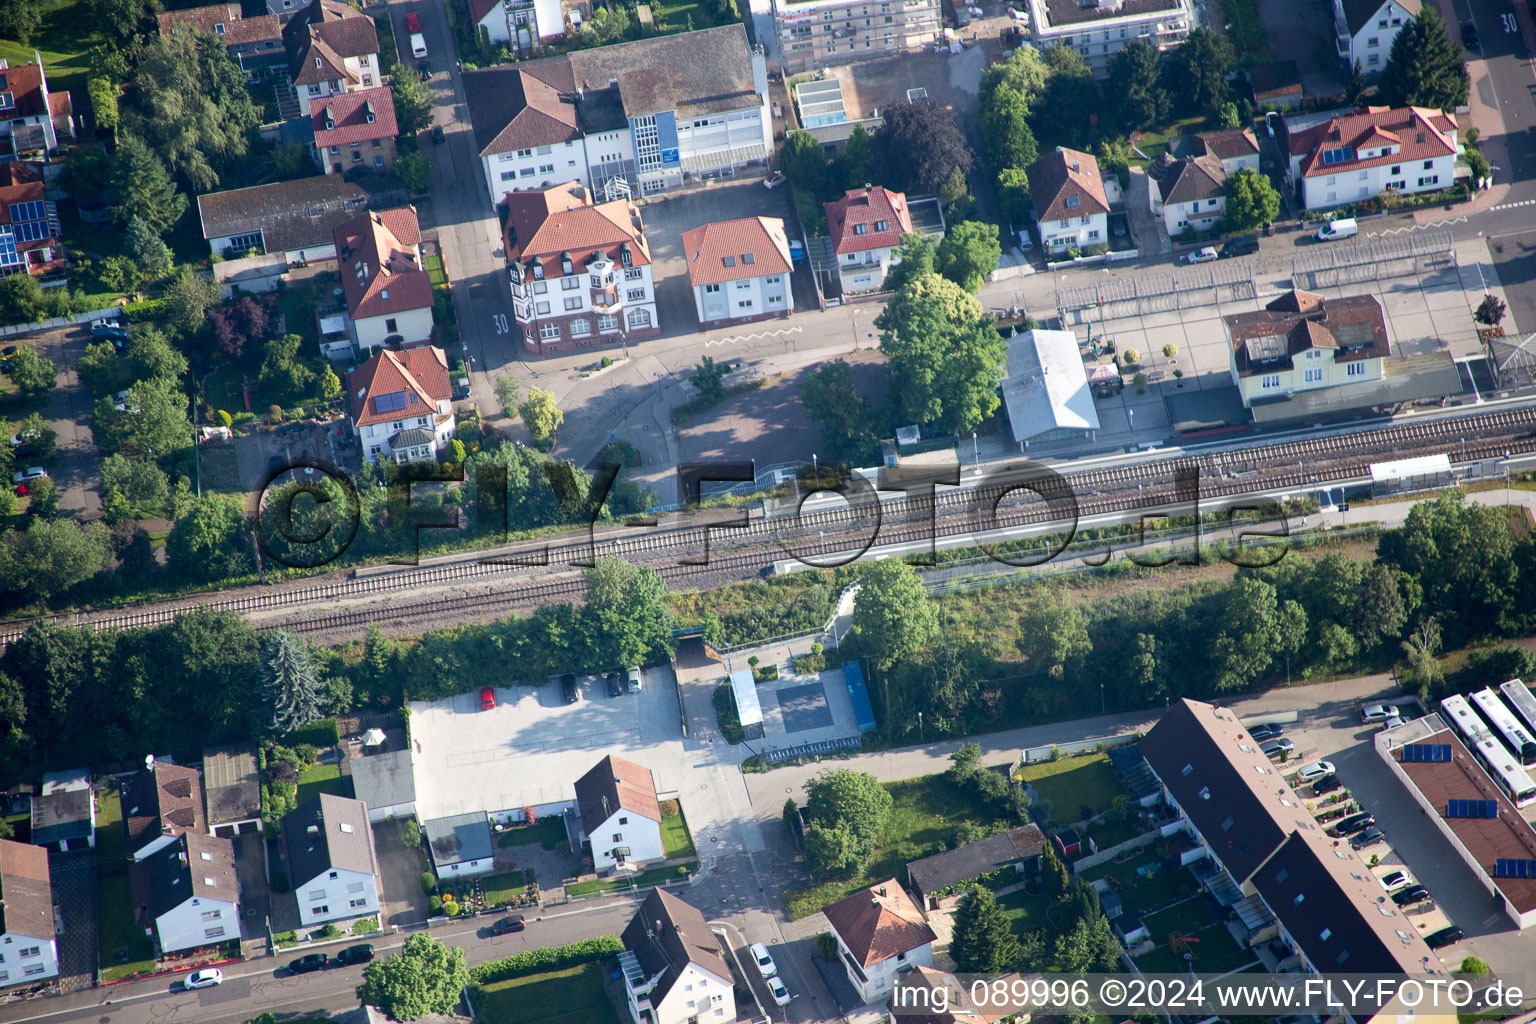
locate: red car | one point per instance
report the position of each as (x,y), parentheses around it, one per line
(412,22)
(487,698)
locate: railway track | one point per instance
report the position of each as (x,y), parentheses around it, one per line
(741,553)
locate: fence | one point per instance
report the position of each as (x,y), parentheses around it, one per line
(1107,854)
(60,321)
(812,749)
(1030,755)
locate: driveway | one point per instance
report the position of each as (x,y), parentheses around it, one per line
(74,895)
(400,869)
(255,892)
(75,463)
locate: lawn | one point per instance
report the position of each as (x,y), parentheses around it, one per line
(66,35)
(1074,787)
(433,264)
(1246,31)
(1212,946)
(503,887)
(676,841)
(548,833)
(317,779)
(117,931)
(1154,141)
(1025,911)
(298,308)
(571,996)
(652,877)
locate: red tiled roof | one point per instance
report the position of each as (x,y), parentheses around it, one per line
(708,248)
(546,118)
(327,31)
(1352,324)
(879,922)
(1420,134)
(379,273)
(236,29)
(421,372)
(1229,144)
(349,113)
(546,225)
(25,84)
(478,9)
(868,207)
(21,183)
(1062,175)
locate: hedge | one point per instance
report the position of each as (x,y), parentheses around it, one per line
(149,309)
(550,958)
(323,733)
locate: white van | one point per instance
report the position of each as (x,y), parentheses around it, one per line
(418,45)
(635,680)
(1344,227)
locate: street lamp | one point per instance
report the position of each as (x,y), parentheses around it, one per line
(816,468)
(1103,707)
(919,727)
(976,451)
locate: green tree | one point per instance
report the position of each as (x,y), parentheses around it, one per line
(121,20)
(1063,113)
(1249,634)
(1462,556)
(892,614)
(154,358)
(330,385)
(1425,68)
(32,373)
(946,359)
(1251,200)
(119,274)
(209,541)
(1013,197)
(1136,84)
(633,618)
(1490,311)
(1196,72)
(104,95)
(87,172)
(1379,612)
(290,689)
(1006,138)
(97,368)
(190,296)
(19,19)
(1421,649)
(1474,965)
(413,108)
(144,187)
(849,812)
(50,556)
(1226,116)
(969,252)
(1024,71)
(1053,636)
(983,941)
(283,373)
(21,300)
(426,976)
(540,414)
(955,194)
(192,106)
(830,398)
(414,171)
(804,164)
(708,378)
(914,257)
(1356,86)
(507,391)
(38,436)
(140,481)
(291,160)
(44,497)
(1054,871)
(854,159)
(153,421)
(149,249)
(1088,946)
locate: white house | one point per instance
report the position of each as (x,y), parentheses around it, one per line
(1235,148)
(672,966)
(1190,193)
(185,892)
(29,954)
(388,293)
(1364,30)
(1071,207)
(460,844)
(295,219)
(1099,30)
(620,815)
(1374,150)
(1301,342)
(33,118)
(332,48)
(740,270)
(866,226)
(328,844)
(401,404)
(879,932)
(523,25)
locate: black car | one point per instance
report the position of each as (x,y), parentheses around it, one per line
(1260,733)
(1411,895)
(568,689)
(306,964)
(424,70)
(1326,784)
(354,955)
(438,135)
(1366,838)
(615,684)
(1246,245)
(1469,35)
(1444,937)
(9,350)
(508,925)
(1355,823)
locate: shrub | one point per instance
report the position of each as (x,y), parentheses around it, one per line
(450,908)
(1130,356)
(320,733)
(286,939)
(726,719)
(826,947)
(550,958)
(435,905)
(330,931)
(367,926)
(428,882)
(410,833)
(149,309)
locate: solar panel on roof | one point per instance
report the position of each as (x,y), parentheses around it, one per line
(1471,808)
(1265,347)
(1426,752)
(1514,867)
(391,402)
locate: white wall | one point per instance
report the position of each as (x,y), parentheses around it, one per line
(1079,231)
(411,324)
(378,434)
(697,994)
(378,814)
(880,979)
(626,828)
(767,294)
(539,167)
(349,894)
(1200,215)
(1372,43)
(16,969)
(190,924)
(1350,185)
(468,868)
(548,19)
(859,274)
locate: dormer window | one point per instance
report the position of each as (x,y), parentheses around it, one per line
(538,271)
(368,114)
(729,261)
(218,30)
(882,225)
(1071,202)
(330,120)
(626,257)
(566,266)
(861,229)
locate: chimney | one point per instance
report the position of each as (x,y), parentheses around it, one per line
(881,890)
(658,926)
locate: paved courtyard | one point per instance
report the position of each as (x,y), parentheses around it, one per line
(74,893)
(802,708)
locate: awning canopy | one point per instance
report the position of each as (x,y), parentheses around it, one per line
(744,688)
(373,737)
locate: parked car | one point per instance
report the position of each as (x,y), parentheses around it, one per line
(774,180)
(796,252)
(1326,784)
(109,329)
(205,978)
(568,691)
(424,71)
(765,965)
(1469,37)
(1344,227)
(412,21)
(1271,120)
(307,964)
(634,680)
(1314,771)
(26,476)
(615,684)
(355,955)
(8,351)
(1366,838)
(1377,713)
(1444,937)
(1411,895)
(23,437)
(1245,245)
(780,993)
(1204,255)
(1354,823)
(509,924)
(120,401)
(438,135)
(1277,746)
(1260,733)
(487,698)
(1395,879)
(461,389)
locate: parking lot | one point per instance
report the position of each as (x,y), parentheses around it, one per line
(530,749)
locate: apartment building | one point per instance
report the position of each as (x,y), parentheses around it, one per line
(328,845)
(256,44)
(29,953)
(33,117)
(672,966)
(401,404)
(866,227)
(1371,151)
(1364,30)
(332,48)
(388,294)
(739,270)
(814,33)
(880,933)
(1099,30)
(355,129)
(185,893)
(1302,342)
(524,26)
(1190,193)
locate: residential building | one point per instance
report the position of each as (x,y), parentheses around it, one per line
(740,270)
(64,813)
(880,932)
(815,33)
(33,118)
(866,227)
(401,404)
(159,804)
(30,228)
(1071,206)
(1098,29)
(525,26)
(1235,148)
(1276,86)
(1360,155)
(1190,193)
(386,783)
(1299,342)
(580,273)
(187,893)
(388,293)
(620,815)
(332,48)
(355,129)
(1045,389)
(460,844)
(232,789)
(1364,30)
(29,952)
(328,844)
(951,1001)
(644,116)
(1018,848)
(673,969)
(256,44)
(297,219)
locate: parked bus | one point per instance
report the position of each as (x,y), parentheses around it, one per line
(1506,726)
(1501,767)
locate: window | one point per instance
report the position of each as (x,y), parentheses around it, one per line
(636,295)
(212,915)
(1312,376)
(357,157)
(744,304)
(618,837)
(581,327)
(1430,180)
(546,168)
(335,150)
(633,275)
(539,287)
(508,175)
(1356,369)
(623,821)
(354,904)
(526,172)
(548,331)
(570,282)
(319,894)
(861,229)
(378,161)
(525,152)
(742,286)
(1429,164)
(775,279)
(640,318)
(1071,203)
(1397,169)
(711,289)
(546,150)
(1270,381)
(356,887)
(574,302)
(213,933)
(391,326)
(1374,58)
(748,258)
(541,308)
(607,322)
(320,910)
(31,969)
(1373,41)
(882,225)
